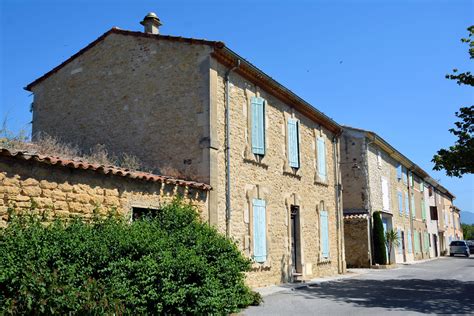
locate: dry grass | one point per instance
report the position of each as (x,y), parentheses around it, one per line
(47,145)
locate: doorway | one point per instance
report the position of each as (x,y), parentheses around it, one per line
(435,244)
(296,266)
(403,246)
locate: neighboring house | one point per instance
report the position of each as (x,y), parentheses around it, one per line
(73,188)
(440,200)
(180,102)
(377,177)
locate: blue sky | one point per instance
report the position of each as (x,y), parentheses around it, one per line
(378,65)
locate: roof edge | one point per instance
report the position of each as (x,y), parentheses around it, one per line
(402,158)
(116,30)
(102,169)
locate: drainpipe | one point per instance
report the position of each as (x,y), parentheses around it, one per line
(339,217)
(227,149)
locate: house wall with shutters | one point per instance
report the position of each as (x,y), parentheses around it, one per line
(146,97)
(271,178)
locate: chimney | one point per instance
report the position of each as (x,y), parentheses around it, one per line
(151,23)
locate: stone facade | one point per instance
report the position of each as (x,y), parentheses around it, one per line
(162,118)
(164,101)
(376,179)
(357,241)
(70,192)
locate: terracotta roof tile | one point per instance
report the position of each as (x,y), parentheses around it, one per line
(106,170)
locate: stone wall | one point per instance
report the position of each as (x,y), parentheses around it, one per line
(70,192)
(273,180)
(354,171)
(135,95)
(356,241)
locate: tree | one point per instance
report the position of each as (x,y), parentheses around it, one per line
(458,159)
(467,231)
(380,255)
(391,240)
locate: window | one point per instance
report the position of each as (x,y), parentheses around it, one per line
(410,179)
(413,208)
(417,242)
(258,126)
(324,238)
(400,203)
(259,230)
(423,210)
(321,153)
(407,205)
(410,249)
(142,213)
(293,143)
(400,245)
(399,172)
(385,195)
(379,158)
(404,175)
(422,186)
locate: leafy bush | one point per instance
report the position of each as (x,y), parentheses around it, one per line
(380,254)
(172,264)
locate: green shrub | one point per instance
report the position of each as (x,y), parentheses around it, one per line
(171,264)
(380,254)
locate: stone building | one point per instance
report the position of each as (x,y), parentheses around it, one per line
(377,177)
(198,107)
(69,188)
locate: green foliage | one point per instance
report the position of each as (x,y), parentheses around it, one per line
(457,159)
(391,240)
(468,231)
(172,264)
(380,255)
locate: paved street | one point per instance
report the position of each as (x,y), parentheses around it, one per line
(442,286)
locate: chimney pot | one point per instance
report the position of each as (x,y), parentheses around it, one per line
(151,23)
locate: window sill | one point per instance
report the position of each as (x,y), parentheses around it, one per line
(256,163)
(261,265)
(320,181)
(292,174)
(322,261)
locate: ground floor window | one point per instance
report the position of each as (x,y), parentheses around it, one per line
(142,213)
(259,230)
(324,231)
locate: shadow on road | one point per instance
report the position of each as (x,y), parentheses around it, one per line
(424,296)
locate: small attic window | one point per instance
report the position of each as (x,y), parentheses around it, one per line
(141,213)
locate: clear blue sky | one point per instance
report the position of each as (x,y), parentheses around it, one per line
(368,64)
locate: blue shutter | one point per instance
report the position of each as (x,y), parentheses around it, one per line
(259,231)
(324,233)
(410,249)
(293,150)
(413,206)
(321,148)
(407,204)
(399,171)
(423,210)
(404,175)
(417,242)
(400,203)
(258,126)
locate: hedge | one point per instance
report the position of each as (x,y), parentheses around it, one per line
(171,264)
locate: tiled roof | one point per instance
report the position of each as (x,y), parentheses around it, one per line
(355,216)
(106,170)
(228,58)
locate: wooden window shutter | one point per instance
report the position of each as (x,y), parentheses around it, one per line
(324,233)
(321,148)
(400,202)
(399,171)
(258,126)
(407,205)
(293,146)
(410,249)
(259,231)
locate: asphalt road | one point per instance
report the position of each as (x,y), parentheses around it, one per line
(442,286)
